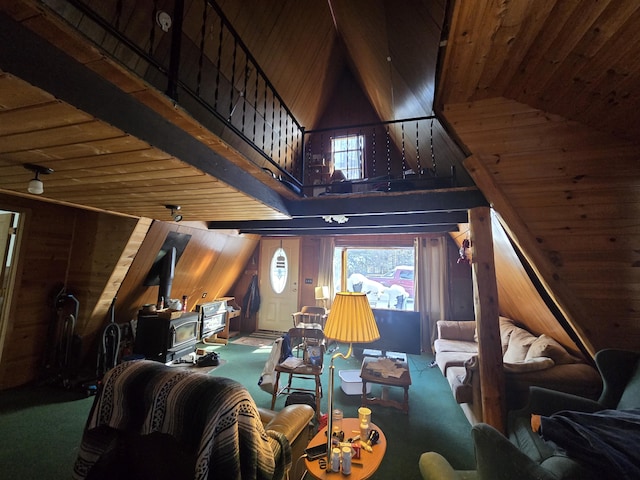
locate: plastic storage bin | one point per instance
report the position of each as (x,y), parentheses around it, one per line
(351,383)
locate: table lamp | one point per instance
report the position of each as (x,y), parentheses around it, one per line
(350,321)
(322,293)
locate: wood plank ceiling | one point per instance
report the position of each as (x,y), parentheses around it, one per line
(544,96)
(114,150)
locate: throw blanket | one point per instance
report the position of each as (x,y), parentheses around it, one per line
(213,417)
(268,372)
(607,441)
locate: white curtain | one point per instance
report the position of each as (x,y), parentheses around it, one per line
(325,266)
(432,289)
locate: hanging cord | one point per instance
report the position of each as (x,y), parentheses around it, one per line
(418,166)
(434,166)
(404,158)
(388,139)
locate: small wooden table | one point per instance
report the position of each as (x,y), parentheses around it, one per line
(369,375)
(362,467)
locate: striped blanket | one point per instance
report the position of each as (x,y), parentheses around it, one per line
(215,418)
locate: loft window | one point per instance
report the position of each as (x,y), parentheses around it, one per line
(348,155)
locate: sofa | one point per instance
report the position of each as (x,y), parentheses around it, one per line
(527,454)
(150,420)
(527,359)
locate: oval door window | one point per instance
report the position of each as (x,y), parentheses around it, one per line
(279,270)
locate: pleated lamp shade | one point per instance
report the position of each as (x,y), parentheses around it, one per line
(351,319)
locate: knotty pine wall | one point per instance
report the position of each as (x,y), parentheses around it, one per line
(568,196)
(211,263)
(95,256)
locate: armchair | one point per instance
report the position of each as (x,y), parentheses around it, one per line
(308,367)
(310,315)
(154,421)
(524,454)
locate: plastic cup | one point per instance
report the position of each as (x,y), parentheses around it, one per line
(336,420)
(364,414)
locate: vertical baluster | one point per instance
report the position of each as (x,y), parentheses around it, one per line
(264,123)
(119,15)
(176,47)
(255,109)
(286,141)
(203,34)
(233,77)
(273,121)
(218,66)
(152,33)
(243,94)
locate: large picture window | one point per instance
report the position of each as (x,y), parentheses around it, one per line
(386,275)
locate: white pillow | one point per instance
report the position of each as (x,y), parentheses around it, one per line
(532,365)
(519,343)
(545,346)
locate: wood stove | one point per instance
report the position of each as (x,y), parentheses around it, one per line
(166,339)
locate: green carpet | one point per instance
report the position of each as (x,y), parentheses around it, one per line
(41,427)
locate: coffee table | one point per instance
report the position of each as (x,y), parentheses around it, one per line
(362,467)
(372,375)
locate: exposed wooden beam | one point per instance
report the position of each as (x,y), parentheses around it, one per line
(487,313)
(456,199)
(371,221)
(336,229)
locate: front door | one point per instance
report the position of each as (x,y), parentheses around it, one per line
(278,282)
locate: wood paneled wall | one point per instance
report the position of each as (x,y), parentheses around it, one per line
(60,247)
(568,196)
(96,256)
(211,263)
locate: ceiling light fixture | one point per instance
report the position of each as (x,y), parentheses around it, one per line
(174,208)
(35,184)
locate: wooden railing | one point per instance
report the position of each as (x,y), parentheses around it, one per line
(204,66)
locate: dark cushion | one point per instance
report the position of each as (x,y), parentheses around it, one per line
(631,395)
(156,456)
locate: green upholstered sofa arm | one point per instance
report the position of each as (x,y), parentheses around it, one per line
(543,401)
(434,466)
(620,371)
(498,459)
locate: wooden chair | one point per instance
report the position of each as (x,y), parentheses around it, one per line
(310,315)
(308,349)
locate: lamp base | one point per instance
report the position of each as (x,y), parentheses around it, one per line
(332,370)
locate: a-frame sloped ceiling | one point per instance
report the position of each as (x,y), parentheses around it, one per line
(544,97)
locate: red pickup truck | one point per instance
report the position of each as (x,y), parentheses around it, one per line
(401,275)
